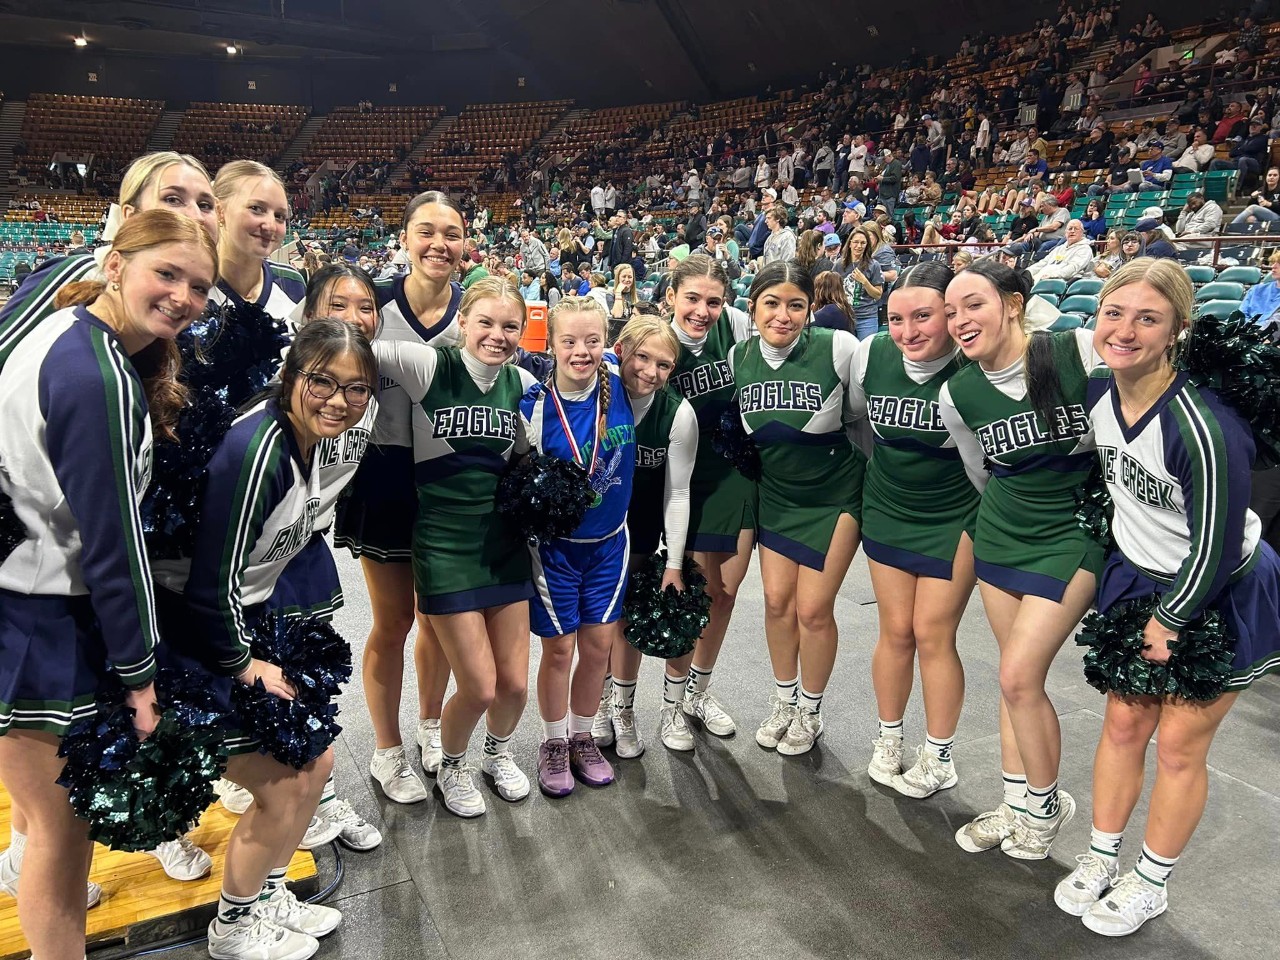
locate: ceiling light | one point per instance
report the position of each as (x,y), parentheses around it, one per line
(81,42)
(232,49)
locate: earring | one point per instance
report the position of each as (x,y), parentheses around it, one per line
(115,286)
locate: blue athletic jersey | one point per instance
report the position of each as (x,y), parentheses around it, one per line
(615,462)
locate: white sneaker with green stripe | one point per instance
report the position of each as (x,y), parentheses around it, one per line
(1031,839)
(1129,904)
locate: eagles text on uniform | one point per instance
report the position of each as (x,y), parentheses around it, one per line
(480,421)
(909,413)
(780,395)
(706,378)
(1024,430)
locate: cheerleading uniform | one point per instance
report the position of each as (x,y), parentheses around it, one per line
(1026,538)
(76,600)
(666,449)
(466,427)
(260,509)
(33,300)
(376,520)
(722,501)
(917,500)
(794,401)
(582,579)
(1179,483)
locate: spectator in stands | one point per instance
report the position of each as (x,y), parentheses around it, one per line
(781,243)
(851,217)
(1156,170)
(597,201)
(1262,302)
(1231,124)
(533,253)
(1051,229)
(721,247)
(76,245)
(610,198)
(863,282)
(741,175)
(1094,220)
(530,286)
(1109,260)
(764,175)
(624,300)
(622,245)
(1199,218)
(890,182)
(1153,242)
(1018,149)
(471,271)
(1035,167)
(550,289)
(830,305)
(1248,155)
(695,228)
(1026,221)
(824,164)
(1197,156)
(760,231)
(1067,260)
(1264,203)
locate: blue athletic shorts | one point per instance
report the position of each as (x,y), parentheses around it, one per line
(578,583)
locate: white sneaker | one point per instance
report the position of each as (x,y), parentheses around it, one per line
(182,859)
(1028,842)
(233,797)
(508,779)
(458,791)
(285,909)
(886,760)
(706,709)
(800,737)
(926,777)
(9,882)
(428,737)
(987,830)
(774,727)
(260,939)
(1086,884)
(1130,904)
(673,730)
(320,830)
(354,831)
(396,777)
(602,724)
(627,741)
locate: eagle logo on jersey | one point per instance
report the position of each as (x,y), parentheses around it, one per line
(602,481)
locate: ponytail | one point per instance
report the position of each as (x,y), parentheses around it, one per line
(1044,386)
(602,375)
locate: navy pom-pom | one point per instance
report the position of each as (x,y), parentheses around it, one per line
(1198,668)
(731,440)
(316,661)
(666,623)
(1239,361)
(12,529)
(544,497)
(135,794)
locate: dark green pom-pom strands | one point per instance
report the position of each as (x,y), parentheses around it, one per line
(545,497)
(664,623)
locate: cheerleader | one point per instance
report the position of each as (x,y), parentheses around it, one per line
(666,447)
(79,402)
(721,501)
(582,415)
(470,569)
(1017,417)
(918,510)
(376,520)
(1176,461)
(260,507)
(793,388)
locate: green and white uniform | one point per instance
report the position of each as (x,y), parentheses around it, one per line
(722,501)
(917,500)
(666,450)
(466,427)
(1027,539)
(795,402)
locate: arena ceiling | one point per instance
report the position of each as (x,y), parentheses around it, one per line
(655,49)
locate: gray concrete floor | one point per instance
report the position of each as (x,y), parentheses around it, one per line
(735,852)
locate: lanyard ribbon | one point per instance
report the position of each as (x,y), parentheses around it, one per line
(573,441)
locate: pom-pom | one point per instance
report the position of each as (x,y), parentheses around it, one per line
(664,623)
(1093,508)
(731,440)
(135,794)
(234,350)
(1238,360)
(316,661)
(12,529)
(545,497)
(1198,669)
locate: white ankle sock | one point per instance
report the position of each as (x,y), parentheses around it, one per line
(1105,846)
(786,689)
(579,724)
(939,748)
(1042,803)
(448,759)
(672,690)
(699,680)
(1154,868)
(556,729)
(494,744)
(1015,790)
(328,796)
(607,690)
(810,702)
(232,911)
(624,694)
(891,728)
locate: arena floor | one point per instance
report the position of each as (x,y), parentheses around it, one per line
(734,852)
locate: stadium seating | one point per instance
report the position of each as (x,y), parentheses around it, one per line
(384,133)
(109,127)
(217,132)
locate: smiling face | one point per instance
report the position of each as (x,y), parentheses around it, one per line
(1136,327)
(987,328)
(491,330)
(433,240)
(696,305)
(161,290)
(182,189)
(857,247)
(578,343)
(646,367)
(348,299)
(780,314)
(316,418)
(918,324)
(255,217)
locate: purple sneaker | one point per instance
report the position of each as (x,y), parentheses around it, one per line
(554,778)
(591,768)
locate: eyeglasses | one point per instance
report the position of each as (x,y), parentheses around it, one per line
(322,388)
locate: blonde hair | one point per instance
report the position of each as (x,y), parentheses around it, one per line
(232,175)
(145,172)
(493,288)
(641,328)
(571,305)
(631,294)
(1168,278)
(1275,256)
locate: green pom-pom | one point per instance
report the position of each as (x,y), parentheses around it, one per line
(1240,362)
(1198,668)
(12,530)
(1093,508)
(664,623)
(544,497)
